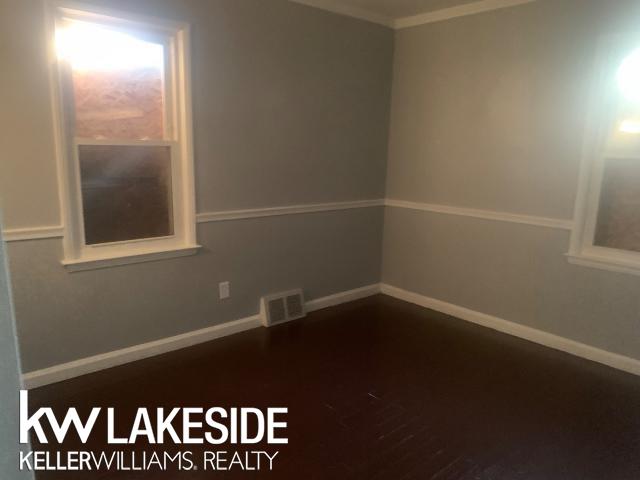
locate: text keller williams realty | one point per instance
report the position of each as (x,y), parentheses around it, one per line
(216,426)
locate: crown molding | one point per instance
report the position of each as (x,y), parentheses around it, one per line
(335,6)
(457,11)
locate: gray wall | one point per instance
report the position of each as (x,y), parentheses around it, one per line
(62,316)
(291,106)
(488,113)
(9,381)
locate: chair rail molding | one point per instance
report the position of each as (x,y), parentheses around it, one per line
(226,215)
(483,214)
(33,233)
(46,232)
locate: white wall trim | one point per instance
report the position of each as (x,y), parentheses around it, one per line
(473,8)
(131,257)
(13,235)
(288,210)
(454,12)
(103,361)
(95,363)
(33,233)
(36,233)
(175,37)
(483,214)
(602,114)
(84,366)
(556,342)
(340,8)
(604,263)
(342,297)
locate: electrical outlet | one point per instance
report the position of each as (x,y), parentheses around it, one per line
(224,289)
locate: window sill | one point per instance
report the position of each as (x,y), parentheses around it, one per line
(96,263)
(605,263)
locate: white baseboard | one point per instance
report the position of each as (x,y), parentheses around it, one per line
(84,366)
(556,342)
(342,297)
(95,363)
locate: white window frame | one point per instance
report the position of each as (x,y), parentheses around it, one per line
(178,136)
(582,250)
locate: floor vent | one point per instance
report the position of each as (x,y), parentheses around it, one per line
(282,307)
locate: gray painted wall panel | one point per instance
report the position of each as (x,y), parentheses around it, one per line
(512,271)
(488,113)
(63,317)
(291,106)
(9,381)
(488,110)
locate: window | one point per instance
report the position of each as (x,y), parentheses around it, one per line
(607,227)
(122,112)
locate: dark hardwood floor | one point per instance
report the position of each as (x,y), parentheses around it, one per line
(381,389)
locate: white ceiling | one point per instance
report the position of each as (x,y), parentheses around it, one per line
(395,9)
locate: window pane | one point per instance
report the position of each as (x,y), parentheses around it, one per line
(126,192)
(117,82)
(619,212)
(125,105)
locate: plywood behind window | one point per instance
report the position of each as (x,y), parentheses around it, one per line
(126,192)
(119,104)
(619,213)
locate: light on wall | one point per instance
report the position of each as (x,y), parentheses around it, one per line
(629,77)
(88,46)
(630,126)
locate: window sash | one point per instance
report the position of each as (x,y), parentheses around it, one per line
(152,242)
(174,37)
(603,109)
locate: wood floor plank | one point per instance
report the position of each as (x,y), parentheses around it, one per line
(381,389)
